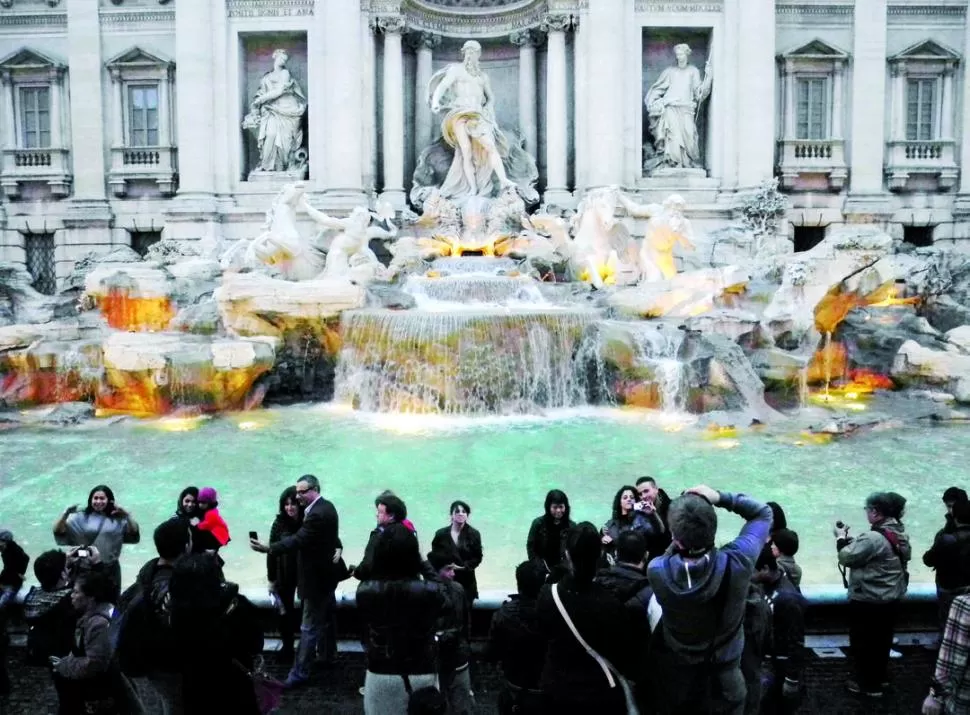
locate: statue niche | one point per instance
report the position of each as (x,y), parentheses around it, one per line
(671,111)
(275,118)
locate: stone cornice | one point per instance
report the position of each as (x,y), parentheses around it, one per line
(940,11)
(136,17)
(270,8)
(34,19)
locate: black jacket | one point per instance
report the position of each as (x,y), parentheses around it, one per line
(570,674)
(515,641)
(787,627)
(399,620)
(950,556)
(315,543)
(467,552)
(283,569)
(547,541)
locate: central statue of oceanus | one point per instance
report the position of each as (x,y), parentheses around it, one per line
(473,158)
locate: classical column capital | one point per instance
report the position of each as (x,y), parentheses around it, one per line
(391,24)
(56,73)
(115,74)
(560,22)
(424,40)
(898,69)
(6,77)
(524,38)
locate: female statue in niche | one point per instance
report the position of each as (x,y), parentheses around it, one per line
(276,114)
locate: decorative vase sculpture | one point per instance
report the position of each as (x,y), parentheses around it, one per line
(275,117)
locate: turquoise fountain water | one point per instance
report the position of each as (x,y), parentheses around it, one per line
(502,467)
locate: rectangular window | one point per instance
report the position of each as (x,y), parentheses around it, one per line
(920,109)
(40,261)
(141,241)
(35,117)
(812,108)
(143,115)
(807,237)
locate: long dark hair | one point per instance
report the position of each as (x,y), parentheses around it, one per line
(617,512)
(88,510)
(584,547)
(289,494)
(557,496)
(179,511)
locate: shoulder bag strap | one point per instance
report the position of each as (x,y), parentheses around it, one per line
(603,663)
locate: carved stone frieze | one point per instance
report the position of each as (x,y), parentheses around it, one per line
(125,20)
(269,8)
(668,6)
(475,22)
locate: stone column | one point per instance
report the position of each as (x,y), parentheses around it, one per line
(962,204)
(10,140)
(946,105)
(557,109)
(837,109)
(868,131)
(528,91)
(164,136)
(393,103)
(56,120)
(897,128)
(87,114)
(756,91)
(193,74)
(117,110)
(604,96)
(425,43)
(342,108)
(788,79)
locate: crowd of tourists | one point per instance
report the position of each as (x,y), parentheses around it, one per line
(642,614)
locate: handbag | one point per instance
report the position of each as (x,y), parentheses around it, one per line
(613,675)
(268,690)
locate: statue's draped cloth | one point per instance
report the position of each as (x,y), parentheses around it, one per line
(441,164)
(280,131)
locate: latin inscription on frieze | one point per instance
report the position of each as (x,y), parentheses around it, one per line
(672,7)
(270,8)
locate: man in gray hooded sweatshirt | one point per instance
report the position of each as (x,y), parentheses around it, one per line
(702,591)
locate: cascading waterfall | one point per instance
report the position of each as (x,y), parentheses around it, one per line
(482,340)
(488,361)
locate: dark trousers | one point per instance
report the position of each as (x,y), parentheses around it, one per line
(870,639)
(315,634)
(289,618)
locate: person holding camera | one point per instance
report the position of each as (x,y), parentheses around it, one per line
(102,524)
(629,514)
(878,577)
(697,646)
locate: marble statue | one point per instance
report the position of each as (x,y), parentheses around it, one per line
(349,254)
(601,247)
(667,228)
(276,116)
(279,249)
(473,157)
(671,105)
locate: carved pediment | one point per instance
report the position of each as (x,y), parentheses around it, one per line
(136,57)
(926,51)
(816,49)
(27,58)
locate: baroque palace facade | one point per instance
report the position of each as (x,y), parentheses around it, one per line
(126,121)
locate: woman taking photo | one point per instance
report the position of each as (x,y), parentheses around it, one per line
(629,514)
(102,524)
(462,543)
(281,569)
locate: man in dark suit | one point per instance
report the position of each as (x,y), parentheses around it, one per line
(316,544)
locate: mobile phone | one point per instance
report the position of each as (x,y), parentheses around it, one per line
(253,536)
(82,553)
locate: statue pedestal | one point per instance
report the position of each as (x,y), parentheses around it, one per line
(276,179)
(692,184)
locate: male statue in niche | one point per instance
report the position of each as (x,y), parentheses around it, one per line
(276,116)
(473,158)
(672,103)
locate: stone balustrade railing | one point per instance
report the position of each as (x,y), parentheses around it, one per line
(48,164)
(143,163)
